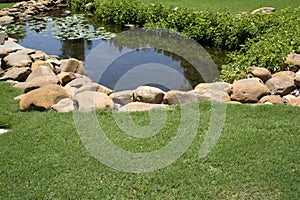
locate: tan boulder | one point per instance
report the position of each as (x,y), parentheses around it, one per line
(216,86)
(40,82)
(295,102)
(122,97)
(95,87)
(260,72)
(66,77)
(72,65)
(40,63)
(64,105)
(282,83)
(293,59)
(148,94)
(38,55)
(140,106)
(273,99)
(16,73)
(39,72)
(88,101)
(212,95)
(248,90)
(297,79)
(79,82)
(179,97)
(288,98)
(16,60)
(42,98)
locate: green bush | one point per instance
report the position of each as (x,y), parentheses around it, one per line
(261,39)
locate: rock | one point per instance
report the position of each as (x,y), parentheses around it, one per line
(6,20)
(234,102)
(42,98)
(148,94)
(260,72)
(212,95)
(88,101)
(282,83)
(288,98)
(293,59)
(19,97)
(16,60)
(216,86)
(72,65)
(2,37)
(264,10)
(95,87)
(122,97)
(140,106)
(20,85)
(295,102)
(179,97)
(78,82)
(40,82)
(248,90)
(17,74)
(64,105)
(26,51)
(273,99)
(66,77)
(297,79)
(3,53)
(42,70)
(38,55)
(40,63)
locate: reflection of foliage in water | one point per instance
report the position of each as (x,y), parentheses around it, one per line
(67,28)
(172,44)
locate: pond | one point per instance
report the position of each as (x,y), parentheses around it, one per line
(75,36)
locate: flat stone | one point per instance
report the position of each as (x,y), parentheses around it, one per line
(140,106)
(16,60)
(16,73)
(95,87)
(216,86)
(64,105)
(122,97)
(6,20)
(40,82)
(42,70)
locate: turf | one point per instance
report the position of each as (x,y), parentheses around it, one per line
(6,5)
(234,6)
(256,157)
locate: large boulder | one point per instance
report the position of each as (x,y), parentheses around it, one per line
(272,99)
(293,59)
(95,87)
(64,105)
(295,102)
(88,101)
(16,60)
(39,72)
(212,95)
(38,55)
(79,82)
(282,83)
(40,63)
(66,77)
(140,106)
(16,74)
(6,20)
(148,94)
(72,65)
(260,72)
(40,82)
(248,90)
(42,98)
(216,86)
(179,97)
(122,97)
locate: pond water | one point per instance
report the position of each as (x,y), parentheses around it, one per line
(43,35)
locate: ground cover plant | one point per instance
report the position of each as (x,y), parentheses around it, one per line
(257,157)
(6,5)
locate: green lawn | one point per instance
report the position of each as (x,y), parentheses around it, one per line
(257,157)
(234,6)
(6,5)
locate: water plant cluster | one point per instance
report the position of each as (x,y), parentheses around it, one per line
(260,39)
(62,28)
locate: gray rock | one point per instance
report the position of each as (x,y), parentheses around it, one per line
(122,97)
(64,105)
(148,94)
(2,37)
(297,79)
(293,59)
(16,60)
(95,87)
(6,20)
(282,83)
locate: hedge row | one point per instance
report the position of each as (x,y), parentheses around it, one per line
(261,39)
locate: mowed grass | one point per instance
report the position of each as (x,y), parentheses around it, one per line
(6,5)
(234,6)
(256,157)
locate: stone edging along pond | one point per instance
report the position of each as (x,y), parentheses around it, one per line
(62,85)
